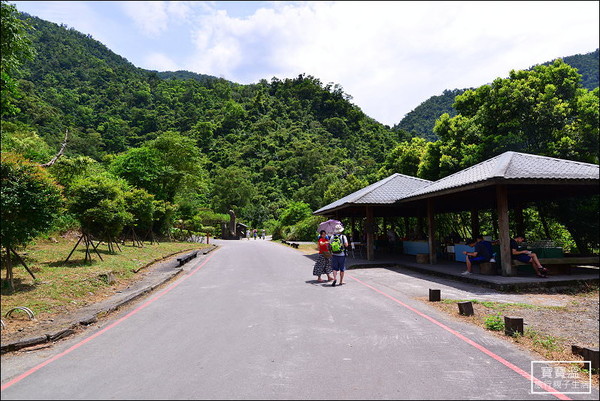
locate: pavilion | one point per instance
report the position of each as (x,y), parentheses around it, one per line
(504,182)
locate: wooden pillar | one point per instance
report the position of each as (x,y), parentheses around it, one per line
(503,230)
(353,228)
(370,225)
(475,230)
(519,219)
(406,226)
(431,232)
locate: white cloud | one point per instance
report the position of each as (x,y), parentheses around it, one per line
(155,18)
(78,15)
(391,56)
(149,16)
(160,62)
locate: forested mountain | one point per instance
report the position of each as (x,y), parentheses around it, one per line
(587,65)
(287,139)
(420,121)
(185,75)
(155,149)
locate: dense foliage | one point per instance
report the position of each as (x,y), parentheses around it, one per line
(272,142)
(543,111)
(421,121)
(30,200)
(15,48)
(187,148)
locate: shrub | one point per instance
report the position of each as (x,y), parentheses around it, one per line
(30,200)
(494,322)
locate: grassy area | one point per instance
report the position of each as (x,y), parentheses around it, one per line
(500,306)
(61,286)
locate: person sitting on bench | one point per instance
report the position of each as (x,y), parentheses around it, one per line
(481,254)
(525,256)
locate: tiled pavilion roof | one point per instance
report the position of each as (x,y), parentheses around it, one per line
(509,167)
(514,167)
(386,191)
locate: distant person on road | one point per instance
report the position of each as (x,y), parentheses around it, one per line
(338,245)
(264,233)
(255,233)
(323,263)
(525,256)
(481,254)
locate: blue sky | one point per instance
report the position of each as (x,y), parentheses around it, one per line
(389,56)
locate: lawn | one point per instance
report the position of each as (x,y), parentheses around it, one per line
(60,286)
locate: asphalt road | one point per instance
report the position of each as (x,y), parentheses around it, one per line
(248,321)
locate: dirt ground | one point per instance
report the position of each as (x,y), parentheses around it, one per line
(549,331)
(576,323)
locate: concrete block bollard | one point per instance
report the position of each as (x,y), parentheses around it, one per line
(466,308)
(487,268)
(435,295)
(422,258)
(513,325)
(588,354)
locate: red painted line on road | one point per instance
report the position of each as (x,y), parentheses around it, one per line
(480,347)
(104,330)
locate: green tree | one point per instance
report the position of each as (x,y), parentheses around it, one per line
(144,168)
(141,205)
(98,202)
(15,47)
(341,188)
(164,167)
(67,169)
(295,212)
(30,201)
(20,138)
(404,159)
(541,111)
(232,189)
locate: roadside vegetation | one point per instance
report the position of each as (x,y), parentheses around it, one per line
(60,287)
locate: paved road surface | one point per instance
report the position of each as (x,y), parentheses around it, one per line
(248,321)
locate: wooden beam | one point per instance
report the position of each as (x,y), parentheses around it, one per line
(503,231)
(431,232)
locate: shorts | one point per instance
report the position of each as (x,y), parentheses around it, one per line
(478,259)
(338,263)
(523,258)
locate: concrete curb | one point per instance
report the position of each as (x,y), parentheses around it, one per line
(62,333)
(67,331)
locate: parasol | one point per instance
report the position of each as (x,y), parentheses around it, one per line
(328,226)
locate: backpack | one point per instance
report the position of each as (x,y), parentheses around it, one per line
(336,244)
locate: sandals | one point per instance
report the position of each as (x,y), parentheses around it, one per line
(541,275)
